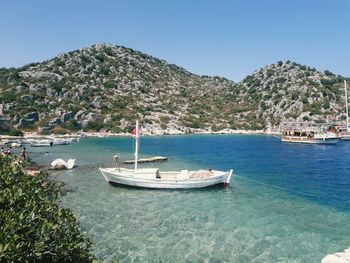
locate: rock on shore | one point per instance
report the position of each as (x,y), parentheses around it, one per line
(341,257)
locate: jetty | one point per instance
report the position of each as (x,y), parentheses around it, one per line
(147,160)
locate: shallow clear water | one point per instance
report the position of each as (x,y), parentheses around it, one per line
(288,203)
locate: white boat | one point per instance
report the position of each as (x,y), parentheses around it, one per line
(59,141)
(153,178)
(41,143)
(309,135)
(311,138)
(16,144)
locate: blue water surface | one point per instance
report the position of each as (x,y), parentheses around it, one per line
(287,203)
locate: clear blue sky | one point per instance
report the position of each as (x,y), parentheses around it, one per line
(218,37)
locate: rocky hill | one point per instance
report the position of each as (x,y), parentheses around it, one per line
(108,87)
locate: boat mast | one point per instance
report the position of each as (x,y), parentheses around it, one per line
(347,109)
(137,143)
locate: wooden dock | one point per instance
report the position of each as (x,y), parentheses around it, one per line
(147,160)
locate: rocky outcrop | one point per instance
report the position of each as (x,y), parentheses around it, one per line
(341,257)
(25,123)
(79,115)
(55,122)
(33,116)
(90,118)
(97,103)
(39,75)
(5,125)
(67,116)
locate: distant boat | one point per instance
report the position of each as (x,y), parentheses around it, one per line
(41,143)
(16,144)
(309,135)
(153,178)
(62,141)
(50,142)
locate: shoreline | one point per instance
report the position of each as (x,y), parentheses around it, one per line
(104,134)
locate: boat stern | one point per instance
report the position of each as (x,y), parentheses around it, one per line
(228,179)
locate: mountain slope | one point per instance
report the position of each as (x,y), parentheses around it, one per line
(290,91)
(107,87)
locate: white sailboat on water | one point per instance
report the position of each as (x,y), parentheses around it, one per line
(153,178)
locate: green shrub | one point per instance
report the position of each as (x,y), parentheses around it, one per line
(7,96)
(58,86)
(12,132)
(72,125)
(33,226)
(94,125)
(105,70)
(109,85)
(15,132)
(328,73)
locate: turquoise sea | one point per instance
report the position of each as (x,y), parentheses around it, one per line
(287,203)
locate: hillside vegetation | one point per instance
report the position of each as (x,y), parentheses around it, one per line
(108,87)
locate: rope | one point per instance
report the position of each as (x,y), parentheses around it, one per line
(280,187)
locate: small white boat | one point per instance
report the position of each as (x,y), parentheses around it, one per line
(62,141)
(16,144)
(41,143)
(153,178)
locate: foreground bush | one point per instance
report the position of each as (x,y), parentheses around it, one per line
(33,226)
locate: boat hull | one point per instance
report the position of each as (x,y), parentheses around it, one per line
(305,140)
(345,137)
(40,145)
(114,178)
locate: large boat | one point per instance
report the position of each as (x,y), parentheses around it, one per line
(154,178)
(341,131)
(309,135)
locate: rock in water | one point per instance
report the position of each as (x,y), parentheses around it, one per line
(60,164)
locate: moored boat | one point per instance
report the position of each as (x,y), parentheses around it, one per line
(154,178)
(41,143)
(309,137)
(304,133)
(60,141)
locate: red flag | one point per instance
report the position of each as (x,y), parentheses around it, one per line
(133,132)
